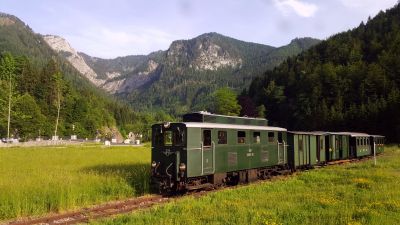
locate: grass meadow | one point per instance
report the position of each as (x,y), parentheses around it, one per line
(36,181)
(351,194)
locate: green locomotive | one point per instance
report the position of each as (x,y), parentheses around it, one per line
(208,150)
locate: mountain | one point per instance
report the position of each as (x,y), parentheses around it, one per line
(350,82)
(33,66)
(179,78)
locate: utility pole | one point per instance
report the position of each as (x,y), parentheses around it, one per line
(374,154)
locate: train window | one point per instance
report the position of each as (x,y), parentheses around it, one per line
(168,137)
(178,137)
(256,137)
(271,136)
(206,137)
(365,141)
(222,137)
(358,141)
(241,135)
(322,144)
(158,136)
(280,137)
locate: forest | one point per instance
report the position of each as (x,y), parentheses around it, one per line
(34,93)
(350,82)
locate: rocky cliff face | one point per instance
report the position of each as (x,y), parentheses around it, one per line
(201,54)
(61,46)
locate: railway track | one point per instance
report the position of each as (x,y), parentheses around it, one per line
(120,207)
(97,212)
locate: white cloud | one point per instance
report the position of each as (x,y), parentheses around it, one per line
(301,8)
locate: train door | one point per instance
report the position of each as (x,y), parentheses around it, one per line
(281,149)
(207,152)
(339,146)
(328,148)
(255,159)
(351,147)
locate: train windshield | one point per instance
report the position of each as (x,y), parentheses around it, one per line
(174,136)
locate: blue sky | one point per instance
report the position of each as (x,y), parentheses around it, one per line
(125,27)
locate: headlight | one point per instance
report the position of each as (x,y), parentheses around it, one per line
(182,167)
(153,164)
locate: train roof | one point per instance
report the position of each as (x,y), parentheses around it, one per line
(232,126)
(351,134)
(309,132)
(378,136)
(206,117)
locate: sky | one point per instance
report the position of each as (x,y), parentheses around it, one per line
(109,29)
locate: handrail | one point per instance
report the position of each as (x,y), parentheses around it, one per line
(284,151)
(277,146)
(202,158)
(213,149)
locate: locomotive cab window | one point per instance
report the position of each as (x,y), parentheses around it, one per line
(256,137)
(271,136)
(206,137)
(222,137)
(168,137)
(241,137)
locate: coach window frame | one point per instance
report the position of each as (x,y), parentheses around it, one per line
(225,140)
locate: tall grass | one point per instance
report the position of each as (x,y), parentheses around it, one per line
(35,181)
(359,193)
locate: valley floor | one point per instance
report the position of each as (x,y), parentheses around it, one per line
(358,193)
(42,180)
(39,180)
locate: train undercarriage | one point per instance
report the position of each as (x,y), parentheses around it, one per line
(167,185)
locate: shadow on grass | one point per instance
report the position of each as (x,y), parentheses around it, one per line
(136,175)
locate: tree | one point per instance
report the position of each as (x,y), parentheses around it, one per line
(226,102)
(7,68)
(261,111)
(29,119)
(58,88)
(248,106)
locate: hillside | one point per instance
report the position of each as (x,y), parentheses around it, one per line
(184,75)
(195,68)
(349,82)
(33,65)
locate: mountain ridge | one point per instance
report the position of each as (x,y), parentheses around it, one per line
(206,52)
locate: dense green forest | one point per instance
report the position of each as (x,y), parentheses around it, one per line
(350,82)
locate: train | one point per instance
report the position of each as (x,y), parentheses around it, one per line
(209,150)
